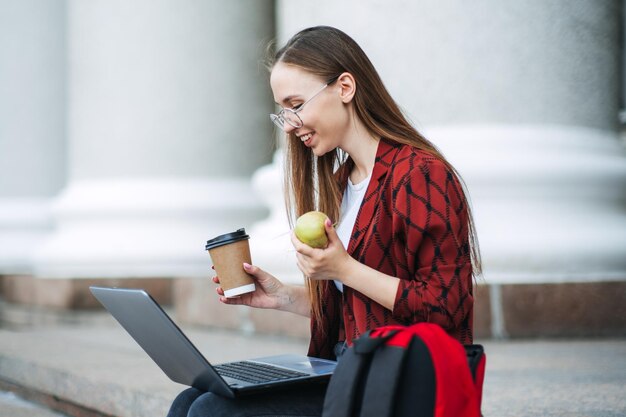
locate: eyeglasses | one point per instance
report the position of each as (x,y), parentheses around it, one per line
(291,115)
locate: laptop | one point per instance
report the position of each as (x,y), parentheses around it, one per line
(144,319)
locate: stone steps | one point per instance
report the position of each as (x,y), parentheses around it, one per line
(100,371)
(93,368)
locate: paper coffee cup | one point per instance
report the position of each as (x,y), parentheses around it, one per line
(228,253)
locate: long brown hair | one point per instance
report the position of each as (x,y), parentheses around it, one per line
(310,181)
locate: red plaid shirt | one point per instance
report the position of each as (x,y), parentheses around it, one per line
(412,224)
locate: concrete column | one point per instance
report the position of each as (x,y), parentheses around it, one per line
(167,121)
(32,125)
(523,99)
(271,245)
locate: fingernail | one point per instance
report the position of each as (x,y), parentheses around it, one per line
(247,265)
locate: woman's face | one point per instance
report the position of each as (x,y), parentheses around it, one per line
(325,118)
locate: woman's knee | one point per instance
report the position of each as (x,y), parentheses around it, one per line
(209,405)
(299,401)
(181,404)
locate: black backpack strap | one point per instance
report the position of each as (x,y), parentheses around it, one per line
(474,356)
(401,382)
(416,392)
(367,344)
(382,382)
(343,388)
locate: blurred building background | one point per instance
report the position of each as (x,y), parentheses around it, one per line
(131,132)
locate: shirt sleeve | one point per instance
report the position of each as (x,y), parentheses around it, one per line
(430,213)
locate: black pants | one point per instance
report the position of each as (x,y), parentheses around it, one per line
(304,401)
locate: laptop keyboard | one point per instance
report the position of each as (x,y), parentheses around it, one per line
(255,372)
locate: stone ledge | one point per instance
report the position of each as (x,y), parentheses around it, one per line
(590,309)
(520,310)
(52,402)
(24,316)
(582,309)
(74,294)
(195,302)
(75,388)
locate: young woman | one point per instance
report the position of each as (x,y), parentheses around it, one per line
(404,249)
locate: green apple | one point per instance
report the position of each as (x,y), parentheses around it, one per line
(310,229)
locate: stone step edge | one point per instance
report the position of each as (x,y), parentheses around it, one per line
(49,401)
(73,395)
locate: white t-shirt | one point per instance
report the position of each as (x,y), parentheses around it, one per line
(352,198)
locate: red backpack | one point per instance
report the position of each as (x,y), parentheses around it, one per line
(399,371)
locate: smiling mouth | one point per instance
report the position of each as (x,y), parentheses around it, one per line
(306,137)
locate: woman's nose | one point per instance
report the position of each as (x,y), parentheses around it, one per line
(288,128)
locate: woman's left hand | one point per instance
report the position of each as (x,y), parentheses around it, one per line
(322,264)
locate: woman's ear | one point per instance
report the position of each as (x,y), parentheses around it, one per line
(347,87)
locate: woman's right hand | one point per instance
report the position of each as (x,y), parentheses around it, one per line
(269,292)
